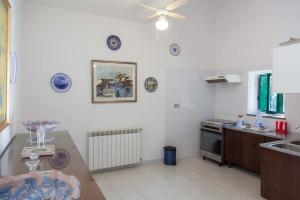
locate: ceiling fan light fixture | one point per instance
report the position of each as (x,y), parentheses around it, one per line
(162,24)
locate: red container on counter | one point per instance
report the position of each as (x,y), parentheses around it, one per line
(285,129)
(281,128)
(277,126)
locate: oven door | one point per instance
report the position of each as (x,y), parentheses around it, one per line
(211,142)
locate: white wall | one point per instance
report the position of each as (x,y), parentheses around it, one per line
(231,36)
(247,31)
(231,100)
(16,24)
(187,88)
(287,19)
(59,40)
(244,33)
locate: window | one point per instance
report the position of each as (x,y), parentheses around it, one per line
(269,102)
(261,97)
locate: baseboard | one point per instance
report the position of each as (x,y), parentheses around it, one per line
(143,163)
(161,160)
(147,162)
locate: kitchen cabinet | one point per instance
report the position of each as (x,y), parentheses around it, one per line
(242,148)
(251,151)
(286,70)
(233,147)
(280,175)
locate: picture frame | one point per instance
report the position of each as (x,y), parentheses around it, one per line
(114,81)
(5,51)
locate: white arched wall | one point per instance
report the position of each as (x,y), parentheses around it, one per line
(61,40)
(247,32)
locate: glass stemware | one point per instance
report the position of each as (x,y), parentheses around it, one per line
(40,128)
(33,161)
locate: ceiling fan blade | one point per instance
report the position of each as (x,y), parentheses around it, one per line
(176,15)
(146,6)
(152,16)
(176,4)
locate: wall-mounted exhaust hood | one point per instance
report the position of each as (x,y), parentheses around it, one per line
(226,78)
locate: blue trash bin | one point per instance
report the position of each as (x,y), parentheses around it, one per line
(170,155)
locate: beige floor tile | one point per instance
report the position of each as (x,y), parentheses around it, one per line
(124,188)
(109,192)
(136,196)
(160,196)
(149,190)
(191,179)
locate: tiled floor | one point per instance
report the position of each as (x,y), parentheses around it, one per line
(191,179)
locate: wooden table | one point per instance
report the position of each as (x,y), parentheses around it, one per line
(11,163)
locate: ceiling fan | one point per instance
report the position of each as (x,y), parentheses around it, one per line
(162,23)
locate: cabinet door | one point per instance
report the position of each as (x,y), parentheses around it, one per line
(286,61)
(248,151)
(251,151)
(234,146)
(257,140)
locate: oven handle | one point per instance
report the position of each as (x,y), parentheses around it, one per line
(211,132)
(212,128)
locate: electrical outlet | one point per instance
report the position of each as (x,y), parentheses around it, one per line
(177,105)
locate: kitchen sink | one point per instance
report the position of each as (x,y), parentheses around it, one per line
(295,142)
(288,147)
(257,129)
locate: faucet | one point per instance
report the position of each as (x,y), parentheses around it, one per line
(298,127)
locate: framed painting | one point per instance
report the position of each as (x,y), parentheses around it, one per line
(114,81)
(4,60)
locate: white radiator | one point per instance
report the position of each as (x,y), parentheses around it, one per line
(114,148)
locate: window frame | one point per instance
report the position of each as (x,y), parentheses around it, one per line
(269,75)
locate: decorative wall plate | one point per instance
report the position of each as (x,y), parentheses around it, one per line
(114,42)
(13,73)
(61,82)
(175,49)
(150,84)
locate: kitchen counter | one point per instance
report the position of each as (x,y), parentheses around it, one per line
(280,175)
(267,133)
(284,146)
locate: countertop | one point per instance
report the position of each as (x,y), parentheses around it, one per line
(268,134)
(288,148)
(11,163)
(291,149)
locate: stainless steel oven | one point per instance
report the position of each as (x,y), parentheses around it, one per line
(212,140)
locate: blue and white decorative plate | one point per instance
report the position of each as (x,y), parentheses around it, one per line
(61,82)
(114,42)
(150,84)
(174,49)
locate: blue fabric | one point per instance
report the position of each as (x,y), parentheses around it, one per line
(30,190)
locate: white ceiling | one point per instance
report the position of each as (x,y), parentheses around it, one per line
(125,9)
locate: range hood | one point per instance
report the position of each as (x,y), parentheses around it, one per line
(225,78)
